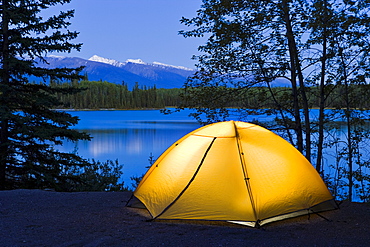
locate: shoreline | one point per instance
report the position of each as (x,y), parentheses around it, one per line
(112,109)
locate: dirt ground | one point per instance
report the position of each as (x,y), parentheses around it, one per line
(44,218)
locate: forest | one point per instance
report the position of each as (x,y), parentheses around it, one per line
(102,94)
(106,95)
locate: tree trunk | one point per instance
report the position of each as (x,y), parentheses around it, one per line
(306,110)
(321,107)
(4,146)
(293,63)
(3,152)
(350,152)
(348,125)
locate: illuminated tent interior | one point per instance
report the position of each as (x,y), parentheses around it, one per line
(232,171)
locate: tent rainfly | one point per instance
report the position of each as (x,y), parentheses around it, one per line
(232,171)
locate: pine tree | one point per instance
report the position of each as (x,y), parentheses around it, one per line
(29,129)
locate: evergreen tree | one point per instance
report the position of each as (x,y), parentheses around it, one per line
(29,129)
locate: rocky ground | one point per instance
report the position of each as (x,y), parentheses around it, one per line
(44,218)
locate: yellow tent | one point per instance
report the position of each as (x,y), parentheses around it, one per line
(232,171)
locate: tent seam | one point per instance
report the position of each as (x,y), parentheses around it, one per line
(245,173)
(191,180)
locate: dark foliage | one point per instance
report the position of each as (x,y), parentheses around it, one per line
(102,94)
(29,129)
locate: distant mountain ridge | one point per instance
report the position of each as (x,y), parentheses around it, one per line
(135,61)
(131,71)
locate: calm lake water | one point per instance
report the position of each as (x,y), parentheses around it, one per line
(129,136)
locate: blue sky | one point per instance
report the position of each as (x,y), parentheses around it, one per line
(132,29)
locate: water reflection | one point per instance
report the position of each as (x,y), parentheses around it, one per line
(131,145)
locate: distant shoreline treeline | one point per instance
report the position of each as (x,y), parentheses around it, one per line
(102,95)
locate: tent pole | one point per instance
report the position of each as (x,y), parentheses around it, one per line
(245,173)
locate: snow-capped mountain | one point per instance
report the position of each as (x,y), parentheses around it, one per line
(138,61)
(171,66)
(116,63)
(113,62)
(131,71)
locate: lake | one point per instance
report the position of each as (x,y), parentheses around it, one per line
(129,136)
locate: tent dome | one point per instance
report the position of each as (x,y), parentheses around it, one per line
(232,171)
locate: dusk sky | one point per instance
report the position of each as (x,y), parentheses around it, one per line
(134,29)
